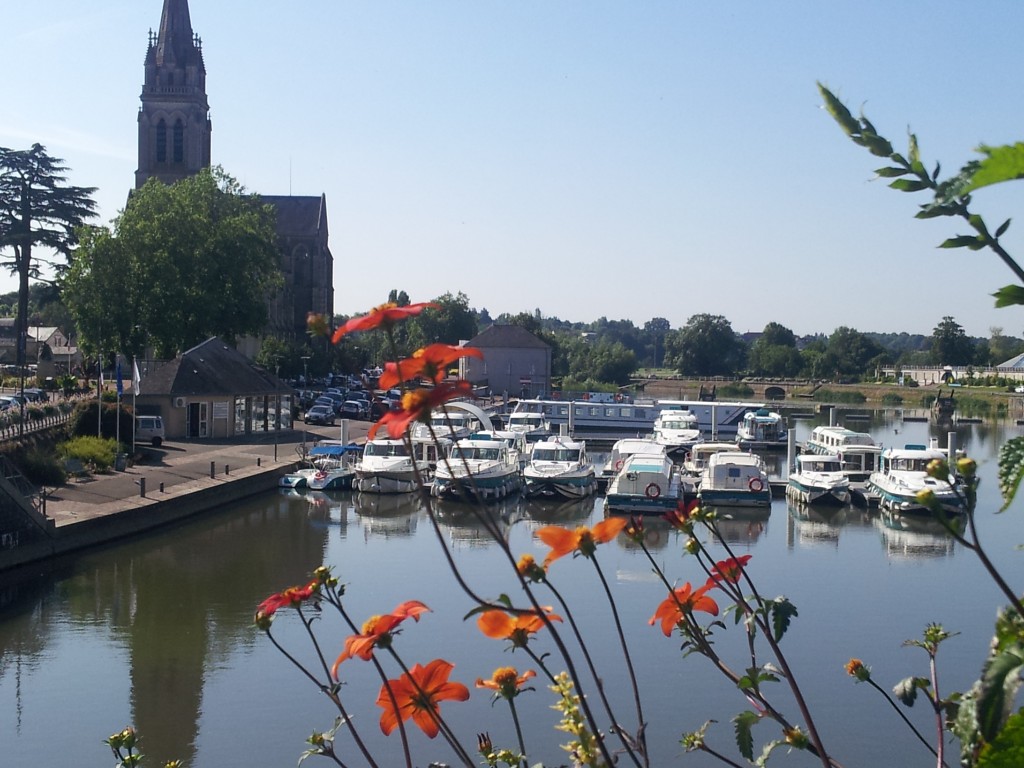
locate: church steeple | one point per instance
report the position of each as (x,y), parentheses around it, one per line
(174,120)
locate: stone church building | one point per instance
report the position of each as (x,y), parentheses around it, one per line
(175,142)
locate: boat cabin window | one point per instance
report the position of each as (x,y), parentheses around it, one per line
(389,449)
(554,454)
(473,452)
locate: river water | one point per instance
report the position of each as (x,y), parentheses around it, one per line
(157,632)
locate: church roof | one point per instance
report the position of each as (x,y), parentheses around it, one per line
(506,337)
(211,368)
(300,215)
(176,45)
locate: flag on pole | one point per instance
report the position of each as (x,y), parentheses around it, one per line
(136,378)
(120,383)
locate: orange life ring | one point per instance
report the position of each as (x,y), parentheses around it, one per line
(652,491)
(618,465)
(756,484)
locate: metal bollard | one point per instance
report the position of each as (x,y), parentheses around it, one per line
(258,460)
(227,469)
(161,487)
(142,487)
(213,469)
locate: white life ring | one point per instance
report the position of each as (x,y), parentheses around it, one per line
(320,475)
(756,484)
(652,491)
(618,465)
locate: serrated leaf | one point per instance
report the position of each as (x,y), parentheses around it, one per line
(906,690)
(767,750)
(1000,681)
(1007,750)
(960,241)
(743,723)
(908,185)
(1004,163)
(1009,295)
(1011,459)
(782,612)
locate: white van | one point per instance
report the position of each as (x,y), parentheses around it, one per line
(149,428)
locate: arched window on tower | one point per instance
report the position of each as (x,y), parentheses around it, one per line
(179,141)
(161,141)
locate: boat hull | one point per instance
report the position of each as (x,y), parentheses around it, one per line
(483,486)
(561,486)
(823,495)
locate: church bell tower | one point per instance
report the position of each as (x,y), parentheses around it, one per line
(174,120)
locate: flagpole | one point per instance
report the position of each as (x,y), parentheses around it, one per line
(120,386)
(135,392)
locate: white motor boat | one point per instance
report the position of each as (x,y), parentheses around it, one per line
(762,429)
(559,467)
(735,479)
(481,469)
(388,466)
(678,431)
(903,473)
(648,483)
(857,451)
(622,450)
(818,479)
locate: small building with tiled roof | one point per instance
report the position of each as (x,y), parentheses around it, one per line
(515,362)
(214,391)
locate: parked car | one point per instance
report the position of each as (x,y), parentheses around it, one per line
(320,414)
(353,409)
(149,428)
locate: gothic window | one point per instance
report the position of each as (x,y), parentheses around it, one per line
(179,142)
(161,141)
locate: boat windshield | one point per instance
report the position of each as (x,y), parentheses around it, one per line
(554,454)
(385,449)
(473,452)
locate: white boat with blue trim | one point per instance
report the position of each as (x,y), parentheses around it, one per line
(678,430)
(818,479)
(762,430)
(559,467)
(389,466)
(735,479)
(482,469)
(903,474)
(857,451)
(648,483)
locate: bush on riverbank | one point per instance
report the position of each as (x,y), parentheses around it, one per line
(36,458)
(97,452)
(83,421)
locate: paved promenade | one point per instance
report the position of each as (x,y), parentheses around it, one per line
(179,468)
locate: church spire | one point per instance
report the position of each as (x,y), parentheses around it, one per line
(174,121)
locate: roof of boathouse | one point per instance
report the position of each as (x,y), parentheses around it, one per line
(505,337)
(212,367)
(1014,362)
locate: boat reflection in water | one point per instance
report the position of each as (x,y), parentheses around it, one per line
(811,524)
(538,512)
(915,537)
(740,525)
(388,515)
(329,508)
(467,523)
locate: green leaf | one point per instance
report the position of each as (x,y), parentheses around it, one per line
(962,241)
(999,683)
(891,172)
(839,112)
(1011,460)
(1007,750)
(1004,163)
(877,146)
(1002,228)
(782,612)
(906,689)
(767,750)
(908,185)
(1009,295)
(743,723)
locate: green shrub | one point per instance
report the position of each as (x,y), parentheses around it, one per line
(96,451)
(734,391)
(43,468)
(891,398)
(83,420)
(840,396)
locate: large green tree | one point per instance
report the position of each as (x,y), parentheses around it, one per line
(183,262)
(705,346)
(950,344)
(37,209)
(774,353)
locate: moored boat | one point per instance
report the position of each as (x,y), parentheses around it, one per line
(534,426)
(818,479)
(559,467)
(858,452)
(735,479)
(692,468)
(481,469)
(647,483)
(677,430)
(903,473)
(388,466)
(622,450)
(762,429)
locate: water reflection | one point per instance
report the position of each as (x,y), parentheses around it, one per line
(570,512)
(468,524)
(328,508)
(388,515)
(742,525)
(914,537)
(813,525)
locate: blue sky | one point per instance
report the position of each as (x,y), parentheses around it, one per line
(626,160)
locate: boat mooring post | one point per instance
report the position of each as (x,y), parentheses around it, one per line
(790,452)
(951,449)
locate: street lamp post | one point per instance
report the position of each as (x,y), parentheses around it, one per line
(305,370)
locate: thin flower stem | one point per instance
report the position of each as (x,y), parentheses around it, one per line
(937,705)
(903,717)
(519,730)
(641,723)
(718,755)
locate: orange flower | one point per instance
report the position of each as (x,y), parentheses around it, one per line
(729,570)
(683,600)
(517,627)
(527,568)
(384,316)
(506,682)
(429,363)
(417,695)
(583,540)
(377,632)
(417,405)
(679,517)
(317,324)
(290,596)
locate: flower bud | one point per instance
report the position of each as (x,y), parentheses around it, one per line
(938,469)
(967,467)
(692,546)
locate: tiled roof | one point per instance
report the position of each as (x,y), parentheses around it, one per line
(505,337)
(211,368)
(298,216)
